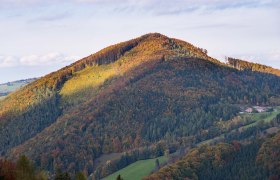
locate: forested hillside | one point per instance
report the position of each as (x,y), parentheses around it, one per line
(244,65)
(149,91)
(258,159)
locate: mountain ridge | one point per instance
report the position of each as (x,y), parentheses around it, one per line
(245,65)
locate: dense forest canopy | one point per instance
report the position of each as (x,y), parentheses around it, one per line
(244,65)
(256,160)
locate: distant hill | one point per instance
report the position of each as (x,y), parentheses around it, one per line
(7,88)
(138,98)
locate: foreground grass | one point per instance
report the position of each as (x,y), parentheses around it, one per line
(137,170)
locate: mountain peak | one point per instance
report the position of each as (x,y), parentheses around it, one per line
(155,35)
(152,42)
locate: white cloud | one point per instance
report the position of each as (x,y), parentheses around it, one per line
(275,55)
(37,60)
(175,5)
(8,61)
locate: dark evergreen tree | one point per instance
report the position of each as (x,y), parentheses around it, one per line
(24,169)
(80,176)
(157,165)
(119,177)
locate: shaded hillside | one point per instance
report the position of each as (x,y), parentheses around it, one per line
(245,65)
(126,96)
(257,160)
(269,155)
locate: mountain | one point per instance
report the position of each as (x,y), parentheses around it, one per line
(7,88)
(147,94)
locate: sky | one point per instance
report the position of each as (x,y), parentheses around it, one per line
(39,36)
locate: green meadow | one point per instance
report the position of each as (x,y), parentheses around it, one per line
(137,170)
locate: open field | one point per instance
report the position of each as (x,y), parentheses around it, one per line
(266,117)
(137,170)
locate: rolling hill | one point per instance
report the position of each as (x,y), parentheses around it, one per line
(145,92)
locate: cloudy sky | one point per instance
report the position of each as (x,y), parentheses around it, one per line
(39,36)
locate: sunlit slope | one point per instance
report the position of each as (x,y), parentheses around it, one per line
(86,83)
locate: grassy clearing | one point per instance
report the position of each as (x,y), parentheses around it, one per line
(85,83)
(2,97)
(137,170)
(89,77)
(266,117)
